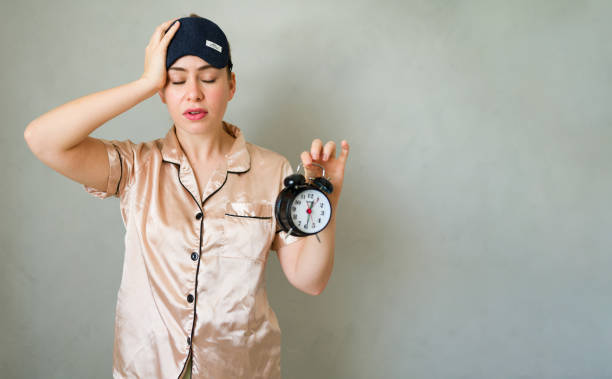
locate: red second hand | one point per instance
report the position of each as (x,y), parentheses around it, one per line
(309,210)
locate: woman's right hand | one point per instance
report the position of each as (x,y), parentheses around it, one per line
(155,57)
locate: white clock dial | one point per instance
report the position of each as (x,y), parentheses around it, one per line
(310,211)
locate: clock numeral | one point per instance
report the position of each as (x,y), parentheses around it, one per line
(294,216)
(298,202)
(310,195)
(299,222)
(322,213)
(321,205)
(293,208)
(319,219)
(302,196)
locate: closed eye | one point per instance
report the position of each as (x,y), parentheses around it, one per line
(205,81)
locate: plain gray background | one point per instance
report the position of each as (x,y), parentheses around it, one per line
(473,235)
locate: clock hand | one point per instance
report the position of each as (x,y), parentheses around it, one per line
(312,204)
(309,211)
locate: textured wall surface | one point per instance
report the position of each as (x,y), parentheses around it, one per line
(473,235)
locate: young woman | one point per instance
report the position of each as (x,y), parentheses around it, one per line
(198,207)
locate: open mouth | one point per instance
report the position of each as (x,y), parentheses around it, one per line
(195,113)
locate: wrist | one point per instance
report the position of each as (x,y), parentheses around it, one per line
(149,85)
(334,197)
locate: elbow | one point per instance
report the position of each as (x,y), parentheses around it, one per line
(29,132)
(314,292)
(28,136)
(38,146)
(313,289)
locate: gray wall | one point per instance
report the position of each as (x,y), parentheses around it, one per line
(474,226)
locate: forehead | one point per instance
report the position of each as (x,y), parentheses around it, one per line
(189,63)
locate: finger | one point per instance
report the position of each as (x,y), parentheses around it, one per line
(161,28)
(329,151)
(345,151)
(315,148)
(170,33)
(167,23)
(306,159)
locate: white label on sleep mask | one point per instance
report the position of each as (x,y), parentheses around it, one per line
(213,45)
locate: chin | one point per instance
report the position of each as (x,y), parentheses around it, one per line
(197,127)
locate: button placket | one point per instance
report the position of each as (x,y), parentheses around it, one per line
(194,257)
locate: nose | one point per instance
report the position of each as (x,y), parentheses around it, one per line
(194,92)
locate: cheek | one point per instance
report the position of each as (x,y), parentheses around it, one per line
(172,101)
(217,93)
(217,96)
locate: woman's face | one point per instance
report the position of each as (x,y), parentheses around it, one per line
(192,83)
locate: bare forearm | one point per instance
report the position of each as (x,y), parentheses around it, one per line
(316,259)
(69,124)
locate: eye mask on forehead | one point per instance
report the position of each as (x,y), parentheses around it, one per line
(200,37)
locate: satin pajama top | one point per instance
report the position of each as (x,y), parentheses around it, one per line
(194,263)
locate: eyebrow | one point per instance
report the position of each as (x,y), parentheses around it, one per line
(199,68)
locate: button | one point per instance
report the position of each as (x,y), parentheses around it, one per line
(190,298)
(188,341)
(194,256)
(199,215)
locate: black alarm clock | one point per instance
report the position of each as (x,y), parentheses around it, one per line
(302,208)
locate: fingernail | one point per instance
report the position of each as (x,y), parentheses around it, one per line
(325,157)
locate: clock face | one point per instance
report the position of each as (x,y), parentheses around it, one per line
(310,211)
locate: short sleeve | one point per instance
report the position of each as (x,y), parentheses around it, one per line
(121,163)
(282,238)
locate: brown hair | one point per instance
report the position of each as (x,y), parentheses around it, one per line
(229,53)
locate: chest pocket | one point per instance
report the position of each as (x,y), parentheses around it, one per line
(247,229)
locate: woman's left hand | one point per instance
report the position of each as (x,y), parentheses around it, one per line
(326,157)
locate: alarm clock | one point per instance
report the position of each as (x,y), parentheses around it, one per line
(302,208)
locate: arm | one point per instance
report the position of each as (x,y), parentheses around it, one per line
(68,125)
(59,138)
(308,264)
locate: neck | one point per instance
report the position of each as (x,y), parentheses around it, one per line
(206,146)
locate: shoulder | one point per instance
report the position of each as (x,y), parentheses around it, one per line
(136,148)
(138,155)
(263,157)
(147,150)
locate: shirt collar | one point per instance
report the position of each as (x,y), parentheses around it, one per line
(238,159)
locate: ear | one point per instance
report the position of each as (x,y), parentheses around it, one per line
(161,96)
(232,85)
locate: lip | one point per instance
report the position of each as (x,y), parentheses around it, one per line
(198,116)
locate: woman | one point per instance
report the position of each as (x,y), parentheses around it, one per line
(198,210)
